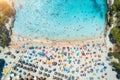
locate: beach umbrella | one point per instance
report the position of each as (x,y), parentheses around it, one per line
(23,62)
(54,69)
(97,71)
(49,71)
(49,62)
(37,78)
(15,67)
(23,46)
(44,47)
(28,74)
(98,78)
(65,53)
(54,63)
(62,75)
(94,52)
(34,70)
(36,66)
(83,54)
(105,67)
(16,51)
(32,76)
(29,64)
(12,68)
(33,65)
(78,54)
(40,72)
(61,52)
(46,69)
(105,73)
(102,76)
(28,69)
(63,48)
(59,74)
(21,66)
(5,71)
(48,75)
(64,65)
(55,73)
(56,49)
(24,73)
(44,74)
(41,68)
(20,61)
(73,72)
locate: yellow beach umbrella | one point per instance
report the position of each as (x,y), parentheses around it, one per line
(49,62)
(5,71)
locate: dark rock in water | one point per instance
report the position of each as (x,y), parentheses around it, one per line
(2,62)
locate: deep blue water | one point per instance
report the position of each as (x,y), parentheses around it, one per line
(60,19)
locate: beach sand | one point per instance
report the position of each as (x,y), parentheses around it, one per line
(16,44)
(19,40)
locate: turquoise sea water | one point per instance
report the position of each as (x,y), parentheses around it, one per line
(60,19)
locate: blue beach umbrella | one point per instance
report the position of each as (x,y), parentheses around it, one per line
(78,54)
(94,52)
(23,46)
(88,44)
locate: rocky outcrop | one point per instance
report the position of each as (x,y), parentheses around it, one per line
(7,18)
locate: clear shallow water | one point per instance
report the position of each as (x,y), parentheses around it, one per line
(60,19)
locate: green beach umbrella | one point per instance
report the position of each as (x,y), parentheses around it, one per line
(98,77)
(61,52)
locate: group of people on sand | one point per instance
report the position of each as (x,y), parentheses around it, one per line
(85,61)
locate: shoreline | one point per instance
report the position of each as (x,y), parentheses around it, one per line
(54,43)
(15,36)
(26,40)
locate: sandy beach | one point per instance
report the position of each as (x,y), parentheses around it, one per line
(19,40)
(50,48)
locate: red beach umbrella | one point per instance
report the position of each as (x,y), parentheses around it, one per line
(83,54)
(103,76)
